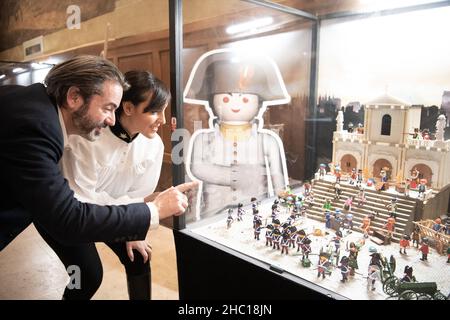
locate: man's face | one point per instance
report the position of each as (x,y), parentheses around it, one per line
(236,107)
(92,117)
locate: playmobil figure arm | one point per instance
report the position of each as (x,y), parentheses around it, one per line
(202,167)
(275,162)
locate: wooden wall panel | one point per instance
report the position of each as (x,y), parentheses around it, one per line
(143,61)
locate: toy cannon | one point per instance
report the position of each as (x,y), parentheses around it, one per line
(414,290)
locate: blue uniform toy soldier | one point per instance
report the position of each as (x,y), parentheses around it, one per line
(269,231)
(258,228)
(240,212)
(230,218)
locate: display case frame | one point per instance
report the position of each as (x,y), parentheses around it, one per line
(208,269)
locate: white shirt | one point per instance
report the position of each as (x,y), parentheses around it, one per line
(111,171)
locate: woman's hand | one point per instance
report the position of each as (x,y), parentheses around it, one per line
(144,248)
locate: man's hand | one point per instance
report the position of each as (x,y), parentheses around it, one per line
(188,186)
(151,197)
(144,248)
(173,201)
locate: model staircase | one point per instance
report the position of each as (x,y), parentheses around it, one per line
(375,201)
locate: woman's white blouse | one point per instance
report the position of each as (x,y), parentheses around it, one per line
(110,171)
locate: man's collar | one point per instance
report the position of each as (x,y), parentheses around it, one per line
(63,128)
(121,133)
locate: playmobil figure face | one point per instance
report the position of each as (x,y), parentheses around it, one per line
(236,108)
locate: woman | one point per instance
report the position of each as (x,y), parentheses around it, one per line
(121,167)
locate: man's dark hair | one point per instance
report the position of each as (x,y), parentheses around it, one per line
(86,72)
(142,85)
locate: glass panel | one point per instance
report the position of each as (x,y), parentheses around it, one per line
(245,103)
(359,172)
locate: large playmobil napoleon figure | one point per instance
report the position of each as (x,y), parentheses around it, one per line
(235,159)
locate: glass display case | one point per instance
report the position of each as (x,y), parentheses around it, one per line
(319,138)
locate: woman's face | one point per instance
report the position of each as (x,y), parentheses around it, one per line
(237,108)
(145,123)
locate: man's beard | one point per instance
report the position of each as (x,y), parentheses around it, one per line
(86,126)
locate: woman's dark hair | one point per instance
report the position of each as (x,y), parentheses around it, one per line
(87,73)
(142,84)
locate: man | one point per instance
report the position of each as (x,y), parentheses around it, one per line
(122,166)
(80,97)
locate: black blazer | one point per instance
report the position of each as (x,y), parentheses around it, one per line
(32,188)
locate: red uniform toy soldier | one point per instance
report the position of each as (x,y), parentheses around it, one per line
(424,248)
(404,243)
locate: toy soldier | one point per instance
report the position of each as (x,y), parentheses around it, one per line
(258,224)
(240,212)
(422,188)
(293,236)
(337,241)
(414,178)
(300,236)
(269,231)
(349,221)
(375,260)
(389,227)
(344,269)
(274,211)
(323,266)
(327,205)
(424,248)
(353,257)
(392,207)
(254,203)
(327,219)
(353,176)
(415,236)
(291,219)
(361,197)
(322,171)
(305,244)
(365,226)
(230,218)
(404,243)
(337,191)
(306,188)
(372,215)
(285,242)
(256,216)
(350,127)
(408,275)
(359,178)
(348,203)
(337,173)
(374,275)
(276,235)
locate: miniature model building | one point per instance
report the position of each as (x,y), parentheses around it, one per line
(388,141)
(391,155)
